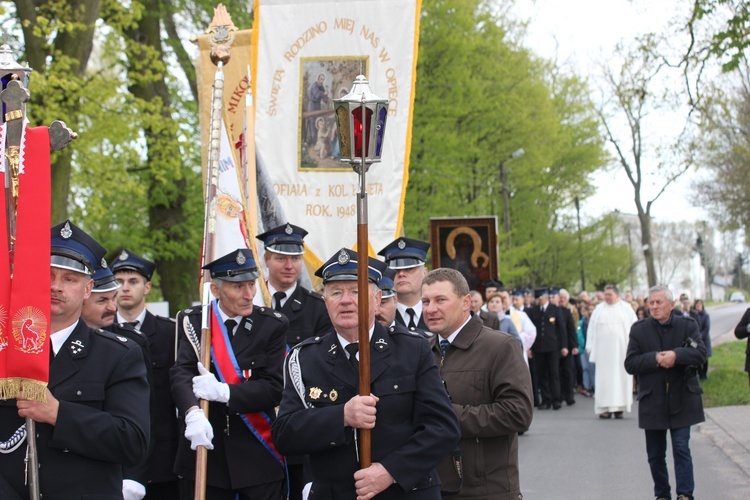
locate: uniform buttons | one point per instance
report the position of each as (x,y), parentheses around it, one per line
(78,393)
(253,363)
(395,386)
(333,444)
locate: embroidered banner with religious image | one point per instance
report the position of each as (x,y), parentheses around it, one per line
(297,73)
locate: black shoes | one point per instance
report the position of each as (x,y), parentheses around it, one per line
(556,406)
(544,406)
(570,401)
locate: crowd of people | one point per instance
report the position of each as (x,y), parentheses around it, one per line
(454,376)
(509,307)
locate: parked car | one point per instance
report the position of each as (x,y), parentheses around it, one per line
(737,297)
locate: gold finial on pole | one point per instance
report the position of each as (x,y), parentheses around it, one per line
(221,35)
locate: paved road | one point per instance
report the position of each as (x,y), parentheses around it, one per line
(725,317)
(572,454)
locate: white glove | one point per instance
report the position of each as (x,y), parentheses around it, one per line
(132,490)
(205,386)
(198,430)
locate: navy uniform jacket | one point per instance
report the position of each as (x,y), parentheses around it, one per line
(667,398)
(421,325)
(161,336)
(416,426)
(238,459)
(139,472)
(307,316)
(551,333)
(102,422)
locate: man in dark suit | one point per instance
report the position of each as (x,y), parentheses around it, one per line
(95,419)
(134,274)
(551,343)
(408,256)
(284,247)
(321,411)
(742,331)
(567,364)
(243,385)
(99,311)
(664,351)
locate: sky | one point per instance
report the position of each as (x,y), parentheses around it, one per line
(582,33)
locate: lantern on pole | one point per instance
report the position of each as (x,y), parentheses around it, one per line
(360,120)
(10,69)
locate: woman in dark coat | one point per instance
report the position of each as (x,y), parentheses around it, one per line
(699,314)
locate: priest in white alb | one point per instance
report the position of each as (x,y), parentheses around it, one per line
(606,343)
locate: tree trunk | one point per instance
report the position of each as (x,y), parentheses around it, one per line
(69,55)
(648,251)
(165,175)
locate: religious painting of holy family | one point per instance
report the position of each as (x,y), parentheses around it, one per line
(322,81)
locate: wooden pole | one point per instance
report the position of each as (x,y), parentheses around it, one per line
(363,291)
(221,35)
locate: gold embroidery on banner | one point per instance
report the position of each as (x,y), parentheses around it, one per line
(29,330)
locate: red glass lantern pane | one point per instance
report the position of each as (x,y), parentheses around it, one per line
(360,132)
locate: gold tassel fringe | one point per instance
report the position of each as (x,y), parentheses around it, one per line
(33,390)
(9,388)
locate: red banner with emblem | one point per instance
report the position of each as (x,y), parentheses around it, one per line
(24,271)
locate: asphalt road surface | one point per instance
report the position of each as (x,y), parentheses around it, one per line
(725,317)
(573,454)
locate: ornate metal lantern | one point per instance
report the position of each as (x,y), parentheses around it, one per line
(360,119)
(9,67)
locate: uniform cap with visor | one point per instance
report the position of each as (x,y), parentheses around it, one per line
(405,253)
(73,249)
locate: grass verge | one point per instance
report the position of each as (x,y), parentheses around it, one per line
(727,383)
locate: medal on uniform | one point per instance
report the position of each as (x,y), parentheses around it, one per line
(315,392)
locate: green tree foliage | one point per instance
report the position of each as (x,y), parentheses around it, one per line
(727,23)
(133,178)
(725,153)
(479,97)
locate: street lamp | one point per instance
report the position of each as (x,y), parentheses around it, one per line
(360,120)
(504,181)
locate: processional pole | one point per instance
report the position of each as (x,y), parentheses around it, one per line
(221,35)
(14,96)
(360,119)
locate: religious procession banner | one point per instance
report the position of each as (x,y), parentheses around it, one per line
(233,215)
(24,289)
(307,53)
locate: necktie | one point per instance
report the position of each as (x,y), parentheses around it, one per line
(352,350)
(444,346)
(134,324)
(412,314)
(230,324)
(278,297)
